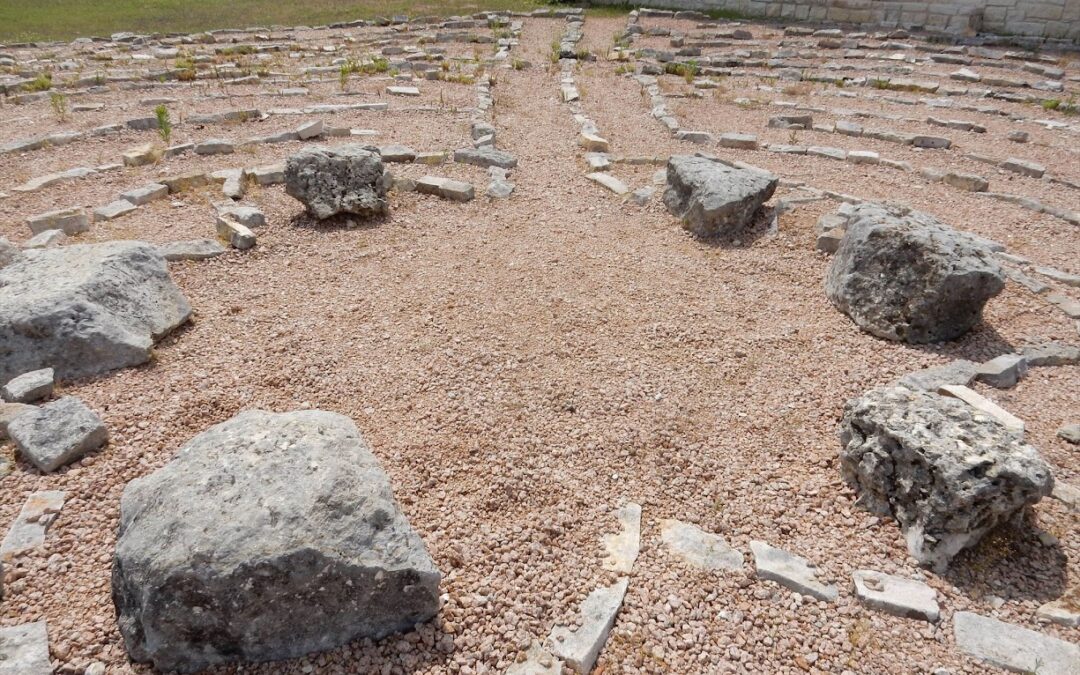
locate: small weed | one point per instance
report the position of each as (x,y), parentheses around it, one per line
(583,54)
(59,105)
(239,49)
(793,137)
(624,69)
(164,123)
(800,89)
(517,64)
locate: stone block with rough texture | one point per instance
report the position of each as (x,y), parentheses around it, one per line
(268,536)
(946,472)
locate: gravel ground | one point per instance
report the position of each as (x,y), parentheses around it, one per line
(524,367)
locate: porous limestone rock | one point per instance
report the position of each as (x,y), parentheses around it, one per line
(902,275)
(712,198)
(85,309)
(945,471)
(343,179)
(268,536)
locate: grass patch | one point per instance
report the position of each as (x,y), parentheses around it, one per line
(42,82)
(25,20)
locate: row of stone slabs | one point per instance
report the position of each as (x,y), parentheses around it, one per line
(996,642)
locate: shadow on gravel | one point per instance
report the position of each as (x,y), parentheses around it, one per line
(342,221)
(765,224)
(1015,562)
(981,343)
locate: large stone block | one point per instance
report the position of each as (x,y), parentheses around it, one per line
(85,309)
(344,179)
(904,276)
(268,537)
(712,198)
(945,471)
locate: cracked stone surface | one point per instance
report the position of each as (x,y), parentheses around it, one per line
(906,598)
(622,548)
(791,571)
(699,548)
(580,647)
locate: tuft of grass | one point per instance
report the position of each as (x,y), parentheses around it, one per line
(164,123)
(30,20)
(59,105)
(42,82)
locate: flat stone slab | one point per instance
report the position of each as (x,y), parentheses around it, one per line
(113,210)
(538,661)
(397,153)
(57,433)
(699,548)
(29,387)
(1070,433)
(24,650)
(982,404)
(739,141)
(237,235)
(1003,371)
(960,371)
(46,239)
(28,530)
(403,91)
(1051,354)
(790,571)
(146,194)
(447,188)
(622,548)
(196,249)
(593,142)
(484,157)
(1064,611)
(608,181)
(1014,648)
(70,221)
(898,596)
(580,648)
(273,174)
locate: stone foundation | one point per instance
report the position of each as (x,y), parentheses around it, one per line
(1054,19)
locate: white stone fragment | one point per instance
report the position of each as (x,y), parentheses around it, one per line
(1014,648)
(113,210)
(610,182)
(24,650)
(622,548)
(699,548)
(983,405)
(906,598)
(29,387)
(580,648)
(28,530)
(791,571)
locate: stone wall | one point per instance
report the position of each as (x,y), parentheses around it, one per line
(1058,19)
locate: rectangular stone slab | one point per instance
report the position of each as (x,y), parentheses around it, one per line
(24,650)
(1012,647)
(28,530)
(580,648)
(898,596)
(790,570)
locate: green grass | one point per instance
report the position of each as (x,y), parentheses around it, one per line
(24,20)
